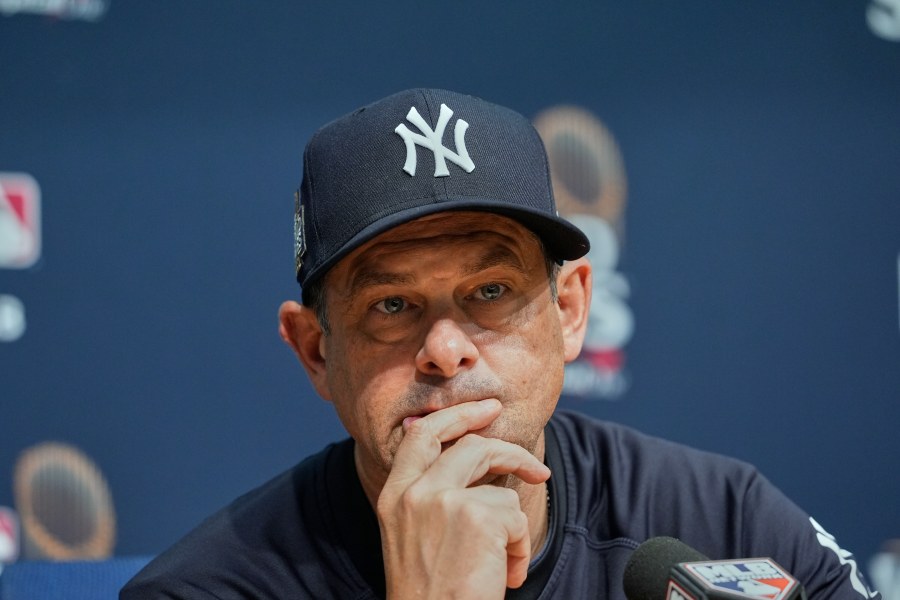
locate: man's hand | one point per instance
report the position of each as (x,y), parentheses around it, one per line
(442,538)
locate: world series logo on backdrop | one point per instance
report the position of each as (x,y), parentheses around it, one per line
(589,186)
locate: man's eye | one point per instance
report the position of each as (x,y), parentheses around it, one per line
(391,305)
(491,291)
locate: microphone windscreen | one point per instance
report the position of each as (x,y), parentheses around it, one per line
(648,569)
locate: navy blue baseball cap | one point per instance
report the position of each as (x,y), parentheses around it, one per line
(416,153)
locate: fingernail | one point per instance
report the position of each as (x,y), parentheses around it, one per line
(409,421)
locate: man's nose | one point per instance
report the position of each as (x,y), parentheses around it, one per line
(446,350)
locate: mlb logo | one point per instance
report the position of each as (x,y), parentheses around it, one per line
(9,536)
(20,221)
(751,578)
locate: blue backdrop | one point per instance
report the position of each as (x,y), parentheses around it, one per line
(760,238)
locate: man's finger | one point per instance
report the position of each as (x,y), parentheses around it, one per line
(504,510)
(473,457)
(421,444)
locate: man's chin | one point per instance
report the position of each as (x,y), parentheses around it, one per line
(499,480)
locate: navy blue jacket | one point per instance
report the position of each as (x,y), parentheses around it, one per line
(311,533)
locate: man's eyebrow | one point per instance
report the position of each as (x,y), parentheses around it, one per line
(364,279)
(497,257)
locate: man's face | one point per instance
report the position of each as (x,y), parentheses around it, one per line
(446,309)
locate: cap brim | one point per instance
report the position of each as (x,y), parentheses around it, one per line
(562,239)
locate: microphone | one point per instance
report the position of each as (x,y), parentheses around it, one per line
(664,568)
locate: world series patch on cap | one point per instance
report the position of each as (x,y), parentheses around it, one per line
(416,153)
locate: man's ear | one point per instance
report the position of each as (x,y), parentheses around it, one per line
(300,329)
(574,301)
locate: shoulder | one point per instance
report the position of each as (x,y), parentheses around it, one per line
(624,453)
(624,484)
(250,541)
(628,484)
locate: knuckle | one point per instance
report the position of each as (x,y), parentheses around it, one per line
(420,428)
(446,501)
(471,441)
(413,497)
(510,497)
(521,521)
(471,515)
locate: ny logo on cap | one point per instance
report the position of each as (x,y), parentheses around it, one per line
(432,140)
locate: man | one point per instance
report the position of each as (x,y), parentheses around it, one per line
(438,313)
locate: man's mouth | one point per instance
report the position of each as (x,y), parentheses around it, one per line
(407,421)
(410,420)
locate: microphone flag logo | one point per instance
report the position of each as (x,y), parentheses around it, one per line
(676,592)
(9,536)
(745,578)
